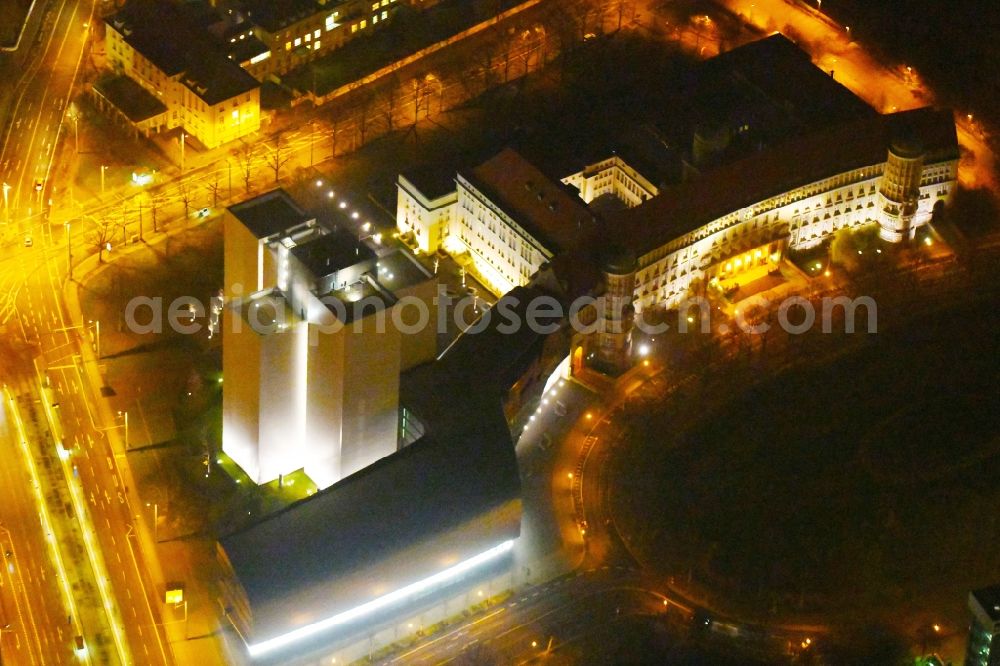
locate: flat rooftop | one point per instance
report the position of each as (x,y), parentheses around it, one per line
(266,313)
(331,252)
(244,49)
(398,270)
(359,300)
(270,213)
(433,181)
(130,98)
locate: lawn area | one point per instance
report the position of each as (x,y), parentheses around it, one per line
(12,13)
(860,490)
(186,264)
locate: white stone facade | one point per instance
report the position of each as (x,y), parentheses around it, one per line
(504,254)
(612,176)
(798,219)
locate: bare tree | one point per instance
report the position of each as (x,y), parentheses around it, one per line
(532,44)
(102,237)
(479,76)
(364,109)
(244,158)
(213,188)
(389,94)
(423,90)
(623,10)
(153,207)
(185,195)
(508,41)
(582,18)
(334,130)
(278,157)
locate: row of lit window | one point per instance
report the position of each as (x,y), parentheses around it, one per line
(364,22)
(309,36)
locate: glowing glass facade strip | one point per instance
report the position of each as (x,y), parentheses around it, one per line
(447,575)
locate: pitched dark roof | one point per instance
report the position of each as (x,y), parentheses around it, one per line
(158,30)
(218,79)
(175,40)
(779,71)
(685,207)
(273,15)
(547,209)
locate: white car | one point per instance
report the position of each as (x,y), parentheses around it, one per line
(28,241)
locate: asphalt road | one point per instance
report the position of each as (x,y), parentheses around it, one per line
(38,111)
(542,619)
(30,603)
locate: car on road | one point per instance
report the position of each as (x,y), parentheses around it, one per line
(28,241)
(203,212)
(38,184)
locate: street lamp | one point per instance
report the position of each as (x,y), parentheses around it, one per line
(6,203)
(312,136)
(434,80)
(125,415)
(97,335)
(156,520)
(69,250)
(103,168)
(183,137)
(74,115)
